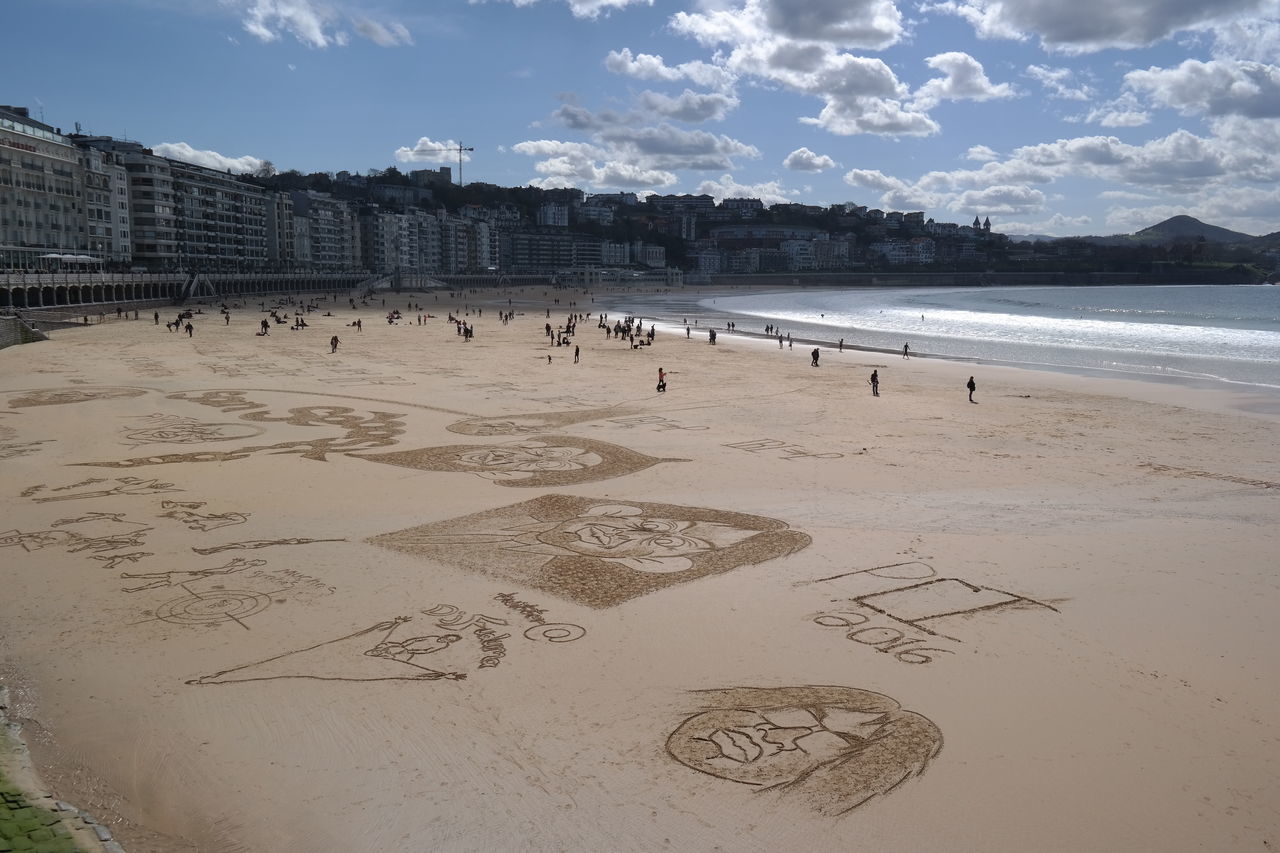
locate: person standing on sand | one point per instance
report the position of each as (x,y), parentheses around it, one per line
(906,351)
(576,352)
(972,386)
(333,344)
(662,380)
(190,330)
(814,354)
(875,383)
(841,345)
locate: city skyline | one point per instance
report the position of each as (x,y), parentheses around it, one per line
(1094,119)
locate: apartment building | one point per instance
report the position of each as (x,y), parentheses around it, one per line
(106,205)
(220,222)
(327,230)
(282,250)
(42,208)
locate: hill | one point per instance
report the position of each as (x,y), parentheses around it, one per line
(1175,229)
(1188,227)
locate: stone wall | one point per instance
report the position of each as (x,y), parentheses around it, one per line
(14,331)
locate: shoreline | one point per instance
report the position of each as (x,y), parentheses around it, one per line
(1246,397)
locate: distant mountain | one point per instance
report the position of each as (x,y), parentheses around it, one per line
(1031,238)
(1177,228)
(1188,227)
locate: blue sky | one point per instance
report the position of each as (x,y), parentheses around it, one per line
(1049,116)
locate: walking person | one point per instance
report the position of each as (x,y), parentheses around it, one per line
(972,386)
(576,352)
(906,350)
(875,383)
(662,380)
(333,344)
(814,355)
(190,329)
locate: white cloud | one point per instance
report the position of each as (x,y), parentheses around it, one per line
(628,156)
(1057,225)
(1059,82)
(588,9)
(859,94)
(1084,26)
(1123,195)
(804,160)
(981,153)
(427,150)
(964,80)
(770,192)
(1001,199)
(1217,87)
(307,21)
(577,164)
(848,23)
(646,66)
(690,106)
(383,35)
(209,159)
(1124,111)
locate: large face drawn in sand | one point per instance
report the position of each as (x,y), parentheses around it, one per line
(540,461)
(599,552)
(830,748)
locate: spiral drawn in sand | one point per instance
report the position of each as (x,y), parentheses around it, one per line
(214,608)
(555,632)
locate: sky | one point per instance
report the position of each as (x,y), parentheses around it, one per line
(1052,117)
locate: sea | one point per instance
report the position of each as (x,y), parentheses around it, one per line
(1214,335)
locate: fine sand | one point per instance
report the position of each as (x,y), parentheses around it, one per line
(429,594)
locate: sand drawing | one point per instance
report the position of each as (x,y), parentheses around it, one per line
(449,643)
(160,428)
(123,486)
(785,449)
(213,521)
(177,578)
(927,599)
(377,429)
(254,544)
(110,542)
(97,531)
(596,551)
(829,748)
(532,423)
(113,561)
(539,461)
(382,652)
(36,540)
(10,449)
(92,517)
(65,396)
(215,607)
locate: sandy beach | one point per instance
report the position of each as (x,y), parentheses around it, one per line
(426,593)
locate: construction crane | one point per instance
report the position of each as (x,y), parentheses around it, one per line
(450,149)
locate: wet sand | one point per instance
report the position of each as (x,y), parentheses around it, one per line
(429,594)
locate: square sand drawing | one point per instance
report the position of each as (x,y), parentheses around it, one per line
(598,552)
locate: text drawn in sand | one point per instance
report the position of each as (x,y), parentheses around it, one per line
(596,551)
(829,748)
(902,609)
